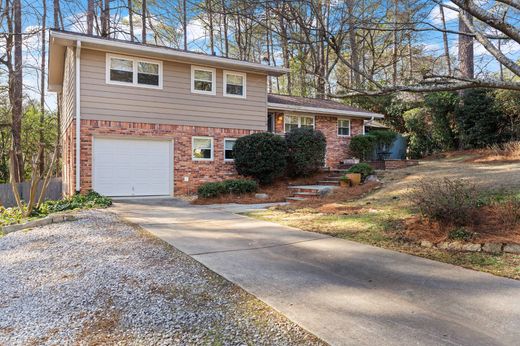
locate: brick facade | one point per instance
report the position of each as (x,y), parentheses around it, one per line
(337,146)
(197,171)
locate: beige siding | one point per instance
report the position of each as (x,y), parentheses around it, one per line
(174,103)
(68,95)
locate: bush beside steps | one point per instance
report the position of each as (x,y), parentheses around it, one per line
(231,186)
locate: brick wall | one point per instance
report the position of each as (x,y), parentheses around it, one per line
(337,146)
(197,171)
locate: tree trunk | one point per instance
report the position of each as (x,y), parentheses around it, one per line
(42,86)
(354,54)
(209,5)
(466,58)
(394,53)
(225,24)
(185,24)
(445,40)
(16,92)
(57,14)
(90,17)
(131,20)
(143,21)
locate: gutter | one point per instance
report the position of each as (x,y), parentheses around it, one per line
(169,53)
(360,114)
(78,115)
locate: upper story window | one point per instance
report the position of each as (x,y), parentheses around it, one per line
(294,121)
(234,84)
(134,71)
(343,127)
(203,80)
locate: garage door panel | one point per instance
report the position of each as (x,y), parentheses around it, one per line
(132,167)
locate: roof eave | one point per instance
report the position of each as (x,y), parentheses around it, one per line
(331,111)
(164,53)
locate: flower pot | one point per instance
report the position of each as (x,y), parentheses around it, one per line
(355,178)
(344,183)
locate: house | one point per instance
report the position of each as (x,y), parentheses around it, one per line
(144,120)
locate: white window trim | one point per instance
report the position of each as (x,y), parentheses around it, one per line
(213,80)
(224,84)
(349,127)
(228,139)
(300,120)
(135,63)
(193,146)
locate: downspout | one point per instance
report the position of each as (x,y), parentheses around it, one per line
(78,116)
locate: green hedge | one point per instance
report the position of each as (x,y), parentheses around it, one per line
(232,186)
(306,149)
(362,146)
(262,156)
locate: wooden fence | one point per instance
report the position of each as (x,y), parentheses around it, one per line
(7,197)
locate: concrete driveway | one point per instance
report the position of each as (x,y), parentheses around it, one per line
(344,292)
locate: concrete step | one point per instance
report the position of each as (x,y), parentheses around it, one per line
(295,199)
(329,182)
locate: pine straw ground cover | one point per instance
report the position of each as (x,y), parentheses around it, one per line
(276,192)
(383,216)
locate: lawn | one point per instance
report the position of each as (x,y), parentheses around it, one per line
(377,218)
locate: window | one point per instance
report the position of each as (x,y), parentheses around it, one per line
(343,127)
(291,122)
(134,71)
(229,151)
(147,73)
(234,84)
(203,80)
(202,148)
(294,121)
(121,70)
(307,122)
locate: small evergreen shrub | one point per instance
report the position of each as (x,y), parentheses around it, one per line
(362,168)
(306,148)
(232,186)
(383,138)
(362,146)
(262,156)
(211,190)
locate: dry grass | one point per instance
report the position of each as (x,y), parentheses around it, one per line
(383,216)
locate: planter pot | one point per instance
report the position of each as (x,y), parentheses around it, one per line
(344,183)
(355,178)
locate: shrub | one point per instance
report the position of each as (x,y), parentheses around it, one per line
(262,156)
(383,138)
(450,202)
(240,186)
(306,151)
(90,200)
(362,146)
(210,190)
(232,186)
(362,168)
(461,234)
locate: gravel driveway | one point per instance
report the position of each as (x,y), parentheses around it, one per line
(98,280)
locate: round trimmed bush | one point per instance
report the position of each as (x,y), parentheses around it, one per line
(362,168)
(262,156)
(306,149)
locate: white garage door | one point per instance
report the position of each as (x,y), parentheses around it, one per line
(132,167)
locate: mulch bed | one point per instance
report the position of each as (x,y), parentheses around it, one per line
(491,227)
